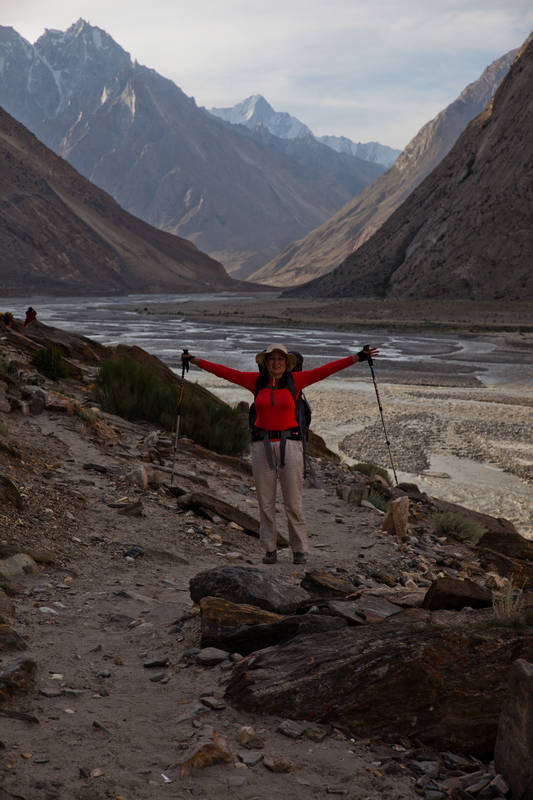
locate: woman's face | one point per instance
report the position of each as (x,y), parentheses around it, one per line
(276,364)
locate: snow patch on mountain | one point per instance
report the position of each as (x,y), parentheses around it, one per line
(255,110)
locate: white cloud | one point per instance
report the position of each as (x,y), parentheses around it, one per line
(357,66)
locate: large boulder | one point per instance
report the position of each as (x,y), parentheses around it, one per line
(509,554)
(513,754)
(444,686)
(247,585)
(454,594)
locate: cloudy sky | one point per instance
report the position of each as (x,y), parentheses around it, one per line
(366,69)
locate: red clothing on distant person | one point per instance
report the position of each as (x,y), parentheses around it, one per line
(275,409)
(31,316)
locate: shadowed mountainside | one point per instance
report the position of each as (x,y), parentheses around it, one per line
(328,245)
(61,235)
(467,230)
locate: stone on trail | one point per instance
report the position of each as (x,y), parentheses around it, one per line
(211,749)
(19,564)
(514,744)
(397,517)
(17,677)
(209,656)
(10,639)
(247,585)
(248,738)
(9,493)
(455,594)
(326,584)
(277,764)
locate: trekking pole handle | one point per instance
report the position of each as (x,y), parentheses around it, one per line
(184,363)
(370,362)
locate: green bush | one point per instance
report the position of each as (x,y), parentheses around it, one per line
(371,469)
(134,391)
(50,362)
(458,527)
(378,500)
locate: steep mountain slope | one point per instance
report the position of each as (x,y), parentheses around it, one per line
(59,234)
(139,137)
(255,110)
(467,230)
(324,248)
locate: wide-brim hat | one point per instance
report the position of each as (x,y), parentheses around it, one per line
(280,348)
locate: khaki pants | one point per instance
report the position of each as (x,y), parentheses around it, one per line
(291,481)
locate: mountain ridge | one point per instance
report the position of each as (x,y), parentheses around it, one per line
(140,138)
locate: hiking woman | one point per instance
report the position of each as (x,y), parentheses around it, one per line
(276,439)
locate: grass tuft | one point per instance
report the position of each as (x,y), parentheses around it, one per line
(458,527)
(50,362)
(371,469)
(377,500)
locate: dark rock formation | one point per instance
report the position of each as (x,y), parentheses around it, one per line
(245,629)
(511,555)
(454,594)
(514,743)
(445,686)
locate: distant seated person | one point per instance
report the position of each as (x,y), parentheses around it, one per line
(31,316)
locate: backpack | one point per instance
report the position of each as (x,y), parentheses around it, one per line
(302,407)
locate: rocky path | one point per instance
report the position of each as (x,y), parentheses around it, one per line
(112,693)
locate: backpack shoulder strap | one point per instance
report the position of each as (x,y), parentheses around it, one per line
(291,387)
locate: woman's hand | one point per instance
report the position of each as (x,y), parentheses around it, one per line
(187,358)
(366,353)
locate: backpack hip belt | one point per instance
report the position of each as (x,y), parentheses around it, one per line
(259,435)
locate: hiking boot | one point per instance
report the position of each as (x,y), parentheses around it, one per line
(299,558)
(270,558)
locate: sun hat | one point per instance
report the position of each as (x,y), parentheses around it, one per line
(280,348)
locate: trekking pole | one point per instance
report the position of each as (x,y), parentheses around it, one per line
(184,366)
(371,365)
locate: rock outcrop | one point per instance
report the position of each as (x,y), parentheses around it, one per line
(444,685)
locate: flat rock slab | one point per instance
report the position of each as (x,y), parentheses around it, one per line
(454,594)
(514,743)
(247,585)
(245,628)
(445,687)
(327,584)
